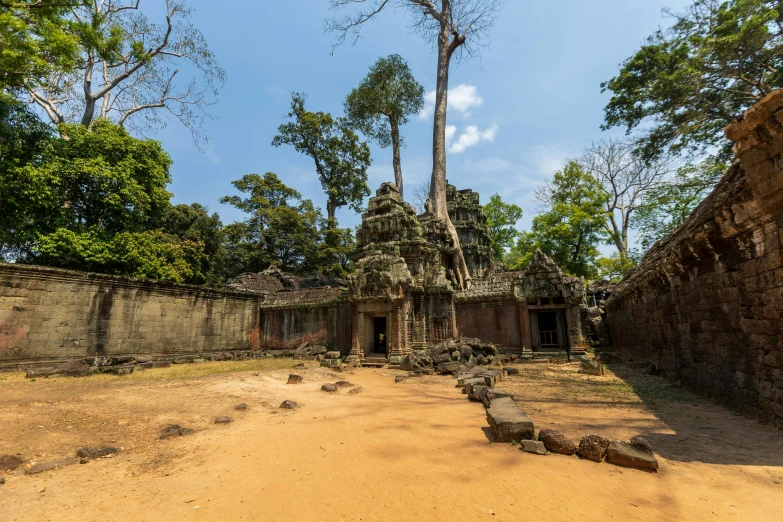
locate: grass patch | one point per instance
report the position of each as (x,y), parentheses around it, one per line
(174,372)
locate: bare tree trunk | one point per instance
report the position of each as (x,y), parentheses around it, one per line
(438,183)
(395,135)
(331,206)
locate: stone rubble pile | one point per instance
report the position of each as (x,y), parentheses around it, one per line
(510,424)
(454,355)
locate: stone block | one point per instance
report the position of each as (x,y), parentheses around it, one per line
(532,446)
(593,447)
(625,454)
(295,379)
(508,421)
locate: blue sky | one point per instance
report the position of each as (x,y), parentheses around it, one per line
(531,102)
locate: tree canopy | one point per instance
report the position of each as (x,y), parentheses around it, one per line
(341,159)
(85,60)
(382,102)
(502,218)
(668,203)
(572,227)
(689,81)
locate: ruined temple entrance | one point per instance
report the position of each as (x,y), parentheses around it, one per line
(548,330)
(380,335)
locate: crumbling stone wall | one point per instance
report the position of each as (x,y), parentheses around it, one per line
(318,316)
(706,303)
(48,314)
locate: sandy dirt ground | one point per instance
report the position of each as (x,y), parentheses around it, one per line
(417,450)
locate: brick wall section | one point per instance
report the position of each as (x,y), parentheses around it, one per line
(706,303)
(49,314)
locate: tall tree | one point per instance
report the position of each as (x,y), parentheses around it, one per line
(36,39)
(98,179)
(457,28)
(280,228)
(382,102)
(195,224)
(688,82)
(625,178)
(502,219)
(341,160)
(132,70)
(571,228)
(23,199)
(669,202)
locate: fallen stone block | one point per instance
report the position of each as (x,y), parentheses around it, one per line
(533,446)
(508,421)
(289,405)
(91,453)
(9,462)
(354,391)
(511,371)
(487,395)
(222,420)
(330,388)
(475,391)
(625,454)
(295,379)
(556,442)
(343,384)
(48,466)
(330,363)
(300,366)
(332,355)
(241,407)
(593,447)
(2,480)
(590,367)
(451,367)
(400,378)
(174,430)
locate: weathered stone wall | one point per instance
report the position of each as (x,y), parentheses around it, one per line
(326,322)
(49,314)
(706,303)
(496,321)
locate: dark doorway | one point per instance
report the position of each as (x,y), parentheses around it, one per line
(379,335)
(547,330)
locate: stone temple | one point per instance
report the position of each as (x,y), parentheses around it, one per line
(403,295)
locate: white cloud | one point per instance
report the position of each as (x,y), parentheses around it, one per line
(471,136)
(461,99)
(451,130)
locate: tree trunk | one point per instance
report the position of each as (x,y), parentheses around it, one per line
(438,182)
(395,135)
(331,206)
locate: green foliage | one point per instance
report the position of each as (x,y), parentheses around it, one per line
(334,250)
(502,219)
(35,41)
(387,95)
(99,178)
(194,224)
(573,227)
(614,268)
(152,254)
(94,199)
(667,204)
(341,160)
(281,227)
(686,83)
(23,137)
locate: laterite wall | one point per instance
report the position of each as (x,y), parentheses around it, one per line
(706,303)
(49,314)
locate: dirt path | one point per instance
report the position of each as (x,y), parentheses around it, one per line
(411,451)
